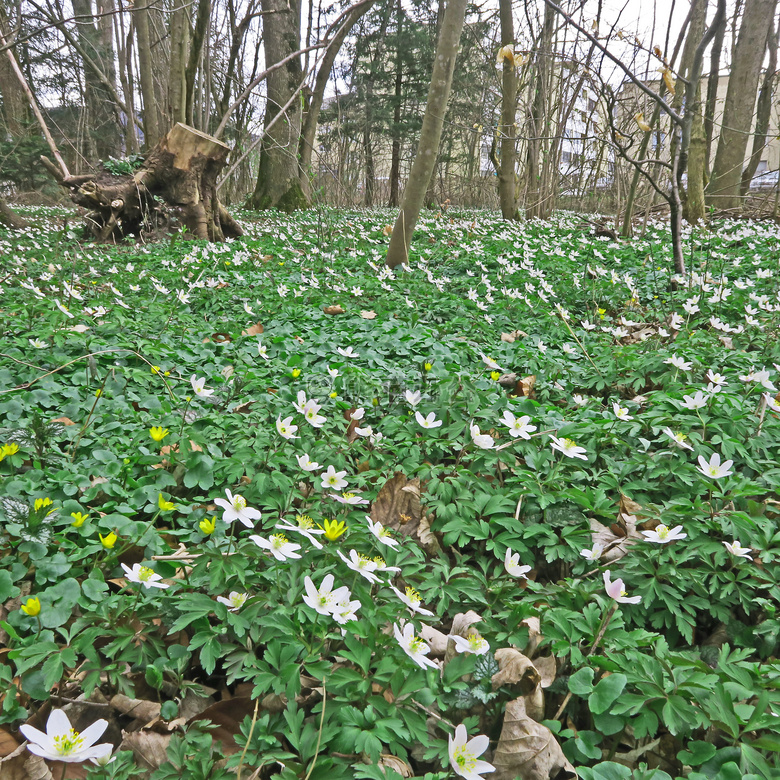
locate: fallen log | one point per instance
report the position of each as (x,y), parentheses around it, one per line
(174,188)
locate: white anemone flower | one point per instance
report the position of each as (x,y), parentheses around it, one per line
(199,387)
(333,479)
(713,468)
(413,398)
(593,554)
(663,534)
(235,508)
(278,545)
(262,350)
(464,755)
(304,525)
(771,402)
(473,643)
(512,564)
(306,463)
(490,363)
(736,549)
(144,576)
(412,600)
(347,353)
(680,439)
(324,599)
(428,422)
(234,601)
(300,402)
(312,415)
(363,565)
(569,448)
(383,534)
(621,412)
(351,499)
(413,646)
(518,426)
(286,428)
(62,742)
(482,440)
(617,591)
(696,401)
(679,363)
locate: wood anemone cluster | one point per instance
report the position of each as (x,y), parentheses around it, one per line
(176,187)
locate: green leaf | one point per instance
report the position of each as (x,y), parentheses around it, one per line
(605,692)
(581,682)
(7,588)
(697,753)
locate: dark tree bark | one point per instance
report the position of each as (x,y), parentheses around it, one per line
(724,189)
(175,187)
(430,134)
(202,19)
(763,111)
(506,128)
(395,153)
(278,177)
(712,89)
(10,218)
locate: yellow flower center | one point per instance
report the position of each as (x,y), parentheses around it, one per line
(379,561)
(304,521)
(662,531)
(568,443)
(412,595)
(145,574)
(680,437)
(416,645)
(278,541)
(475,642)
(67,744)
(348,495)
(239,502)
(464,758)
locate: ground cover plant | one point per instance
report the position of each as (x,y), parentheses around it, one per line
(271,510)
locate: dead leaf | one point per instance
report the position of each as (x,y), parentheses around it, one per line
(219,338)
(149,748)
(368,315)
(727,341)
(253,330)
(227,716)
(527,750)
(435,639)
(510,338)
(333,309)
(396,764)
(397,505)
(227,372)
(615,545)
(547,668)
(64,421)
(244,407)
(387,230)
(628,506)
(426,537)
(515,669)
(525,386)
(23,765)
(136,708)
(8,743)
(534,634)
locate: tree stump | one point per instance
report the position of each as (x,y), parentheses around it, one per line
(175,187)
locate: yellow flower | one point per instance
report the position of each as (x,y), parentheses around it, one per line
(98,393)
(155,369)
(334,394)
(165,506)
(158,433)
(333,529)
(208,526)
(602,312)
(109,540)
(8,449)
(32,607)
(296,372)
(375,402)
(78,519)
(428,366)
(42,503)
(495,375)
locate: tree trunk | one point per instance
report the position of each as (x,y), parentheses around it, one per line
(763,112)
(395,153)
(177,89)
(311,117)
(507,128)
(724,189)
(15,108)
(430,134)
(9,218)
(538,119)
(151,114)
(181,170)
(202,19)
(94,37)
(712,89)
(278,177)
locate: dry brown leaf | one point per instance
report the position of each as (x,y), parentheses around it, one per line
(23,765)
(227,716)
(435,639)
(219,338)
(244,407)
(253,330)
(149,748)
(534,634)
(525,386)
(136,708)
(426,537)
(333,309)
(628,506)
(547,668)
(368,315)
(615,546)
(397,505)
(64,421)
(667,77)
(387,230)
(8,743)
(510,338)
(396,764)
(527,750)
(515,669)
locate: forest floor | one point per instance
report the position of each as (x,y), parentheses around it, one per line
(270,509)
